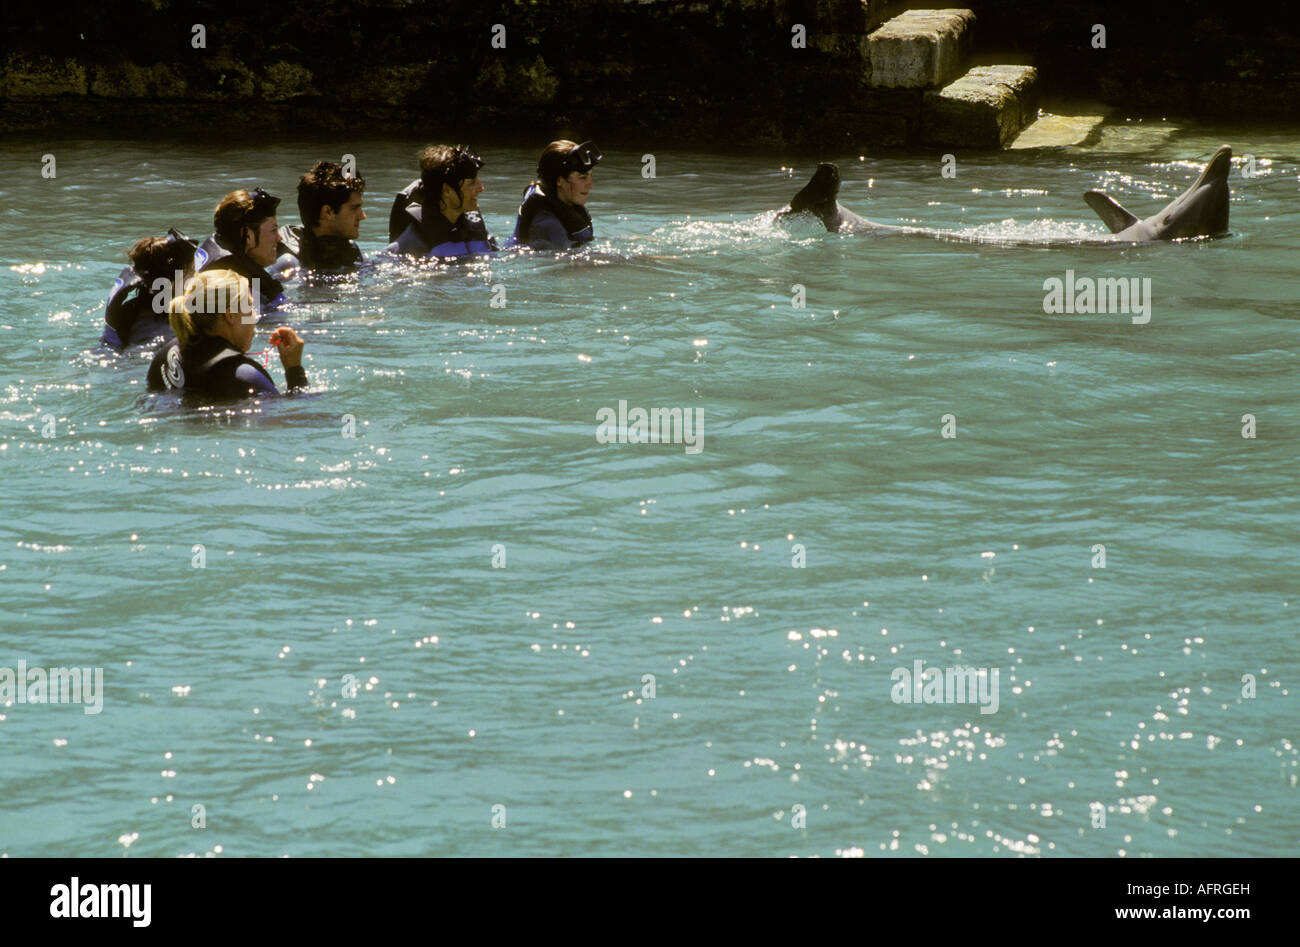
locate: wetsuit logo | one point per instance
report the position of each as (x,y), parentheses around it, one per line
(200,258)
(173,375)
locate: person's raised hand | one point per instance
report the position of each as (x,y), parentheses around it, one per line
(289,344)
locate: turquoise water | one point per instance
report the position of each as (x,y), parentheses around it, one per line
(772,730)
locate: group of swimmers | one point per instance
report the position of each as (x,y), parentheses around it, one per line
(207,295)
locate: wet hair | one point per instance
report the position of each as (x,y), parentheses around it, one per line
(159,256)
(325,185)
(208,296)
(550,166)
(240,209)
(446,164)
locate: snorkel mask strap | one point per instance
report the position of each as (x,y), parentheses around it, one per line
(264,206)
(581,158)
(465,164)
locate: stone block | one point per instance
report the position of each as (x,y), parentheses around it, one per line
(1068,123)
(986,108)
(920,49)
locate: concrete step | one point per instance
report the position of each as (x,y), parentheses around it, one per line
(1064,123)
(986,108)
(920,49)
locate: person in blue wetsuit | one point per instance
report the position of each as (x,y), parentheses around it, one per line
(437,214)
(554,214)
(245,239)
(214,321)
(330,204)
(136,311)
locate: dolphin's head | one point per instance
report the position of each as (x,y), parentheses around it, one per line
(1201,210)
(819,194)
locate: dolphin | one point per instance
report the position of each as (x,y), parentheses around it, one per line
(1200,211)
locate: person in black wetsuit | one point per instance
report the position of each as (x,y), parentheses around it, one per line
(214,321)
(330,204)
(137,305)
(245,240)
(554,215)
(437,215)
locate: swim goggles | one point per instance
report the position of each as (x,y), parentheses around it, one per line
(264,205)
(581,158)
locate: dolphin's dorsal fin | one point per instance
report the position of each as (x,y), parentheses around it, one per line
(1112,214)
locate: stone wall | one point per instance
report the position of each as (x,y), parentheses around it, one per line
(1199,58)
(717,75)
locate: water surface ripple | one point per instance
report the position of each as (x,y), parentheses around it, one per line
(772,730)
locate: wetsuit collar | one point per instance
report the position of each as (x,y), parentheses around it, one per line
(215,255)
